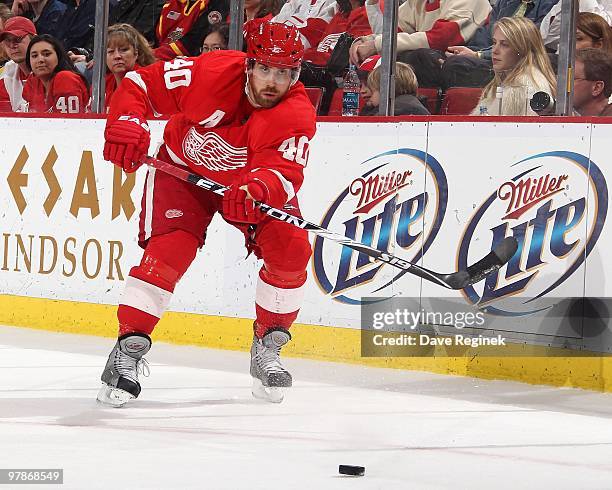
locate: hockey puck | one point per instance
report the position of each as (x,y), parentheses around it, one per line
(345,469)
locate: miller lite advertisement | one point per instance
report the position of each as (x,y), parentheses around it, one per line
(441,195)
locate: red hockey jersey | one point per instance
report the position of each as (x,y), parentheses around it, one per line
(67,94)
(110,86)
(356,24)
(206,99)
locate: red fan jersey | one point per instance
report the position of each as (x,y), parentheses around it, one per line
(67,94)
(356,24)
(207,131)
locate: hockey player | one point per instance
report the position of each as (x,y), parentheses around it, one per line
(210,98)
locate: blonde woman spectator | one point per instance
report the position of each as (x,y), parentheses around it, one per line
(406,102)
(126,50)
(521,68)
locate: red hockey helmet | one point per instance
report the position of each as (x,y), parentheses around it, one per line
(275,44)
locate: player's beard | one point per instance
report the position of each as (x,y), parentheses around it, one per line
(273,96)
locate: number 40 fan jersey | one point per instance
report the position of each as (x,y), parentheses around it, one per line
(67,94)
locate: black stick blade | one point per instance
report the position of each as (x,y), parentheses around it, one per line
(491,262)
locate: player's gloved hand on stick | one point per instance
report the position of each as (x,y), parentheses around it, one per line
(263,186)
(126,141)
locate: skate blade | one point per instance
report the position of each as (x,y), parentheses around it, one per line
(274,394)
(113,397)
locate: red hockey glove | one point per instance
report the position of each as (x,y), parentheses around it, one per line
(126,141)
(263,185)
(240,206)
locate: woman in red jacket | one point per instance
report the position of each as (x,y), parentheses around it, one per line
(54,85)
(126,50)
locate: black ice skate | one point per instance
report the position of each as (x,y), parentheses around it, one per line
(270,378)
(120,377)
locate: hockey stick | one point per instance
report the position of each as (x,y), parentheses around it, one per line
(455,280)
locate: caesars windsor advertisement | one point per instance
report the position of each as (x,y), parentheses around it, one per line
(438,194)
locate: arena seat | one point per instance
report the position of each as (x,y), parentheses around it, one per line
(433,98)
(460,100)
(315,94)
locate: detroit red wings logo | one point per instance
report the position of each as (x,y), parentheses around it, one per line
(213,152)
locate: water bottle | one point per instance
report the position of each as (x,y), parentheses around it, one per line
(499,96)
(350,92)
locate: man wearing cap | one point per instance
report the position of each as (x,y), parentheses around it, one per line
(16,36)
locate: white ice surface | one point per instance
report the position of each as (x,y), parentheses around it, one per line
(196,425)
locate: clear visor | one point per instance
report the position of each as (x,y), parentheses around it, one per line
(273,73)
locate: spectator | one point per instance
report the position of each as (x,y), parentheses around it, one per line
(470,66)
(593,82)
(351,17)
(263,10)
(217,38)
(521,68)
(44,13)
(15,38)
(406,102)
(142,14)
(5,14)
(425,24)
(592,31)
(75,29)
(126,50)
(550,28)
(183,25)
(54,85)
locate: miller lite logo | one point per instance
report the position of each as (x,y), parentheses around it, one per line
(555,205)
(396,203)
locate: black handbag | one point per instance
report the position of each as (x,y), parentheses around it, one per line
(339,60)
